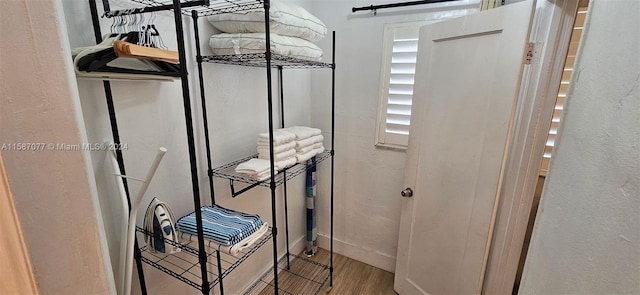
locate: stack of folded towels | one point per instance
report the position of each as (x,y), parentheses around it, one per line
(308,142)
(284,154)
(290,146)
(284,148)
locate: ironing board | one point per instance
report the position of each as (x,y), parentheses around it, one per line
(312,214)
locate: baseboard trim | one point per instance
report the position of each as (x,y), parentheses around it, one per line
(371,257)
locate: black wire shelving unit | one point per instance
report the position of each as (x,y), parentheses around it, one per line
(184,265)
(196,265)
(207,7)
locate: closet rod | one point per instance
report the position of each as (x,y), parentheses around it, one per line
(399,4)
(153,8)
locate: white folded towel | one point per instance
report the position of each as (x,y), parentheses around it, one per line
(264,175)
(279,137)
(286,163)
(264,148)
(308,155)
(308,148)
(302,132)
(254,166)
(309,141)
(279,156)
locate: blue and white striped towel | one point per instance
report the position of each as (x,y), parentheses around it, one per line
(222,225)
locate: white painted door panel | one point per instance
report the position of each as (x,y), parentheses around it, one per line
(467,83)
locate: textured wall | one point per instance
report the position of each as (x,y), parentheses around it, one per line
(586,239)
(52,189)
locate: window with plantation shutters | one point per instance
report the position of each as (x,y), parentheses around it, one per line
(396,85)
(403,68)
(561,99)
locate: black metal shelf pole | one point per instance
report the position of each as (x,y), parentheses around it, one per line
(116,137)
(194,16)
(202,255)
(274,233)
(333,136)
(105,5)
(284,184)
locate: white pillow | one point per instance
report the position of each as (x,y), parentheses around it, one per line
(230,44)
(285,19)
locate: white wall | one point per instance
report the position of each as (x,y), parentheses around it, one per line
(368,180)
(53,190)
(151,114)
(586,239)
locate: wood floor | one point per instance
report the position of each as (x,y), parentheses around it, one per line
(349,277)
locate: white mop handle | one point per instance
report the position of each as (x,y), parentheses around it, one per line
(132,219)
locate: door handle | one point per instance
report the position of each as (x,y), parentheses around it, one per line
(407,193)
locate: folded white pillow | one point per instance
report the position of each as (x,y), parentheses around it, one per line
(285,19)
(231,44)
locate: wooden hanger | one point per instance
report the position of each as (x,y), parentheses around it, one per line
(127,49)
(97,61)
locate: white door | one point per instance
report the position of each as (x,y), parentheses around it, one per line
(467,82)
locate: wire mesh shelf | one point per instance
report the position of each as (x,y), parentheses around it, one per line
(304,276)
(185,266)
(259,60)
(202,7)
(227,171)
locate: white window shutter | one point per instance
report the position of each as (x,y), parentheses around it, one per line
(561,98)
(397,79)
(401,78)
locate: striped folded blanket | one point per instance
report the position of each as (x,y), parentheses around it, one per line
(222,225)
(234,250)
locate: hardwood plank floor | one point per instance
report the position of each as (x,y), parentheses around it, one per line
(349,277)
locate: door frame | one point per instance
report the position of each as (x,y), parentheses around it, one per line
(550,33)
(14,255)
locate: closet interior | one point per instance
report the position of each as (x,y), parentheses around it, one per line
(199,263)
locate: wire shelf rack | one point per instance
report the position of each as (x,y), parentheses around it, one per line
(227,171)
(259,60)
(202,7)
(185,266)
(303,277)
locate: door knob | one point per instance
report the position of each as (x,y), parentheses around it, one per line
(407,192)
